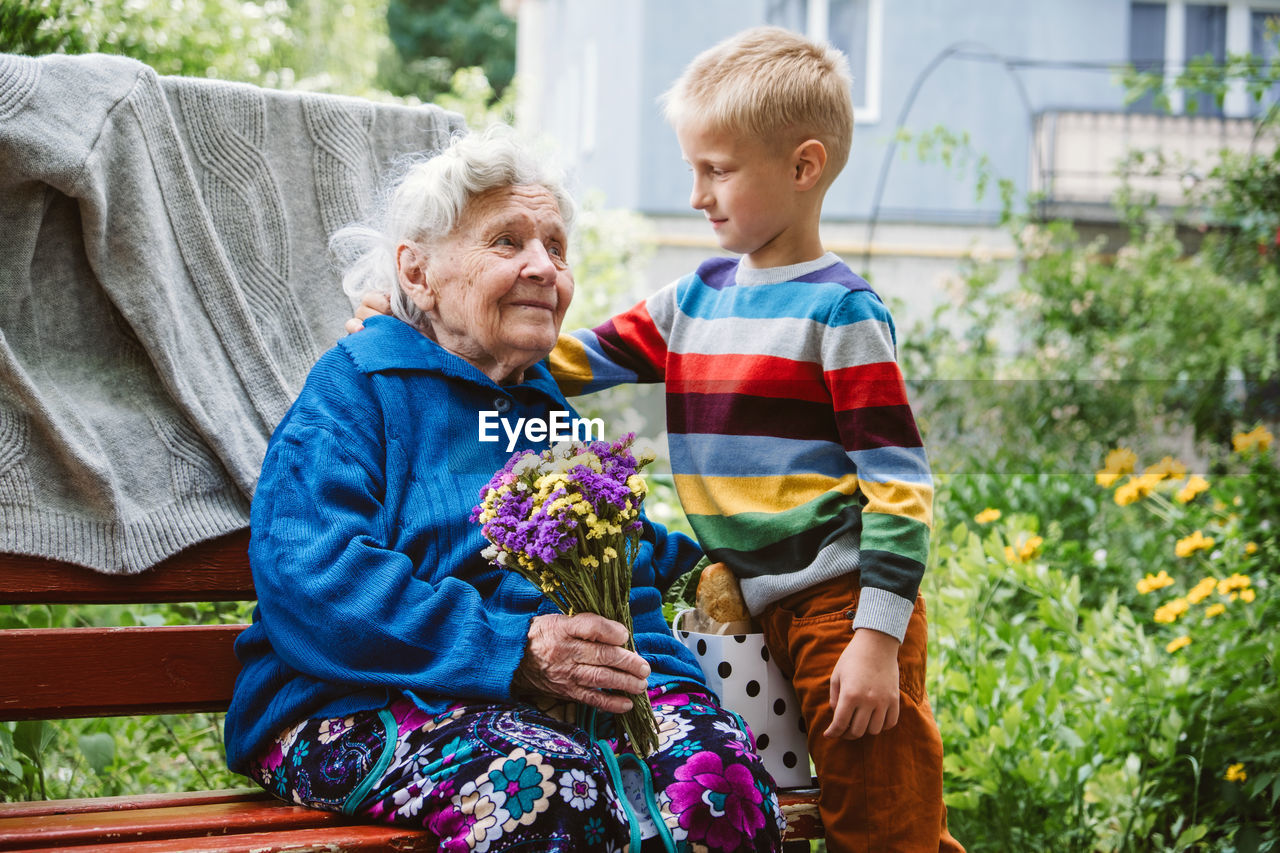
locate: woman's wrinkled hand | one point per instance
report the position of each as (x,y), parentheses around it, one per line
(582,658)
(371,304)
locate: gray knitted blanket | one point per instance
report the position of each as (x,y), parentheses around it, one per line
(164,289)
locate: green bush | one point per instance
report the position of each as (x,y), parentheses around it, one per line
(1132,718)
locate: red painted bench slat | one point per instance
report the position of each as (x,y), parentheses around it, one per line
(352,838)
(183,799)
(217,570)
(56,673)
(228,818)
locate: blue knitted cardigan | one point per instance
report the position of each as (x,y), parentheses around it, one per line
(367,568)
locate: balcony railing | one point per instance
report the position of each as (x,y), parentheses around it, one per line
(1079,157)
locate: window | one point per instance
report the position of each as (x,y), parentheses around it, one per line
(1169,33)
(1264,28)
(852,26)
(1205,34)
(1146,45)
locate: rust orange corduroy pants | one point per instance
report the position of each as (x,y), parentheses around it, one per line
(879,793)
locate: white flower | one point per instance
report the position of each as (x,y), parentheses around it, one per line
(527,465)
(578,789)
(409,800)
(730,729)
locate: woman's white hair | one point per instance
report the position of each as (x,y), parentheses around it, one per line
(424,202)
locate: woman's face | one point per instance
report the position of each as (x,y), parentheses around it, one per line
(497,287)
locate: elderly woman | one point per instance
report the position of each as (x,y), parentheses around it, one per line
(392,672)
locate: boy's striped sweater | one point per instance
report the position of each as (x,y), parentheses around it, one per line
(793,446)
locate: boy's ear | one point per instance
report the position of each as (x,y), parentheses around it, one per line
(411,270)
(809,161)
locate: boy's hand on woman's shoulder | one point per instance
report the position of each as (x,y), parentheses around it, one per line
(371,304)
(864,686)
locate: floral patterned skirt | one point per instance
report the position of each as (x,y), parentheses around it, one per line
(491,777)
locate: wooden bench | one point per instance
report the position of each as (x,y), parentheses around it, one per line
(61,673)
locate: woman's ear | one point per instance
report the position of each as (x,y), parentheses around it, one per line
(411,270)
(809,160)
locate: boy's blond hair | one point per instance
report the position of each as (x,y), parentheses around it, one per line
(773,84)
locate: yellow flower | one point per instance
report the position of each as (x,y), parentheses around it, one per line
(1235,773)
(1258,438)
(1136,487)
(1153,582)
(1167,467)
(1194,486)
(1214,610)
(1231,584)
(1126,494)
(1195,542)
(637,486)
(1168,613)
(987,516)
(1106,479)
(1247,595)
(1010,554)
(1030,548)
(1250,548)
(1120,461)
(1202,590)
(1178,643)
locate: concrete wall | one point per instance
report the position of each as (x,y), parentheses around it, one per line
(602,65)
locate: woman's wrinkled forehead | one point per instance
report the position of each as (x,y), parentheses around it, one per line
(528,205)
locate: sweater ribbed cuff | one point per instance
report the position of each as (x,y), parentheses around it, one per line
(883,611)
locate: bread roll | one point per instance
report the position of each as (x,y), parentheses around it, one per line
(719,595)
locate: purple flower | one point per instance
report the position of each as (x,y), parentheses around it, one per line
(714,803)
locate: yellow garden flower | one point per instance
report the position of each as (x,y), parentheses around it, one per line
(1168,613)
(1247,595)
(1202,590)
(1214,610)
(1195,542)
(1030,548)
(987,516)
(1233,583)
(1194,486)
(1153,582)
(1235,773)
(1121,460)
(1106,479)
(1258,438)
(1178,643)
(1250,548)
(1137,487)
(1126,494)
(1167,467)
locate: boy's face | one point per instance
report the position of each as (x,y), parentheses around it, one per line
(746,190)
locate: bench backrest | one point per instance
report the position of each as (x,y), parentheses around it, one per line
(57,673)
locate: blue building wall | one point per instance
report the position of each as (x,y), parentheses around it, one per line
(638,47)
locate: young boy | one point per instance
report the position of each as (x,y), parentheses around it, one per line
(795,453)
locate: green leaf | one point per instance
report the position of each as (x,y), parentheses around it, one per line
(99,750)
(32,738)
(1190,836)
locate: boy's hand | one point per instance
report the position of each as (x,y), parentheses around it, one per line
(370,305)
(864,686)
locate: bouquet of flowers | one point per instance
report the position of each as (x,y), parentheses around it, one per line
(568,519)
